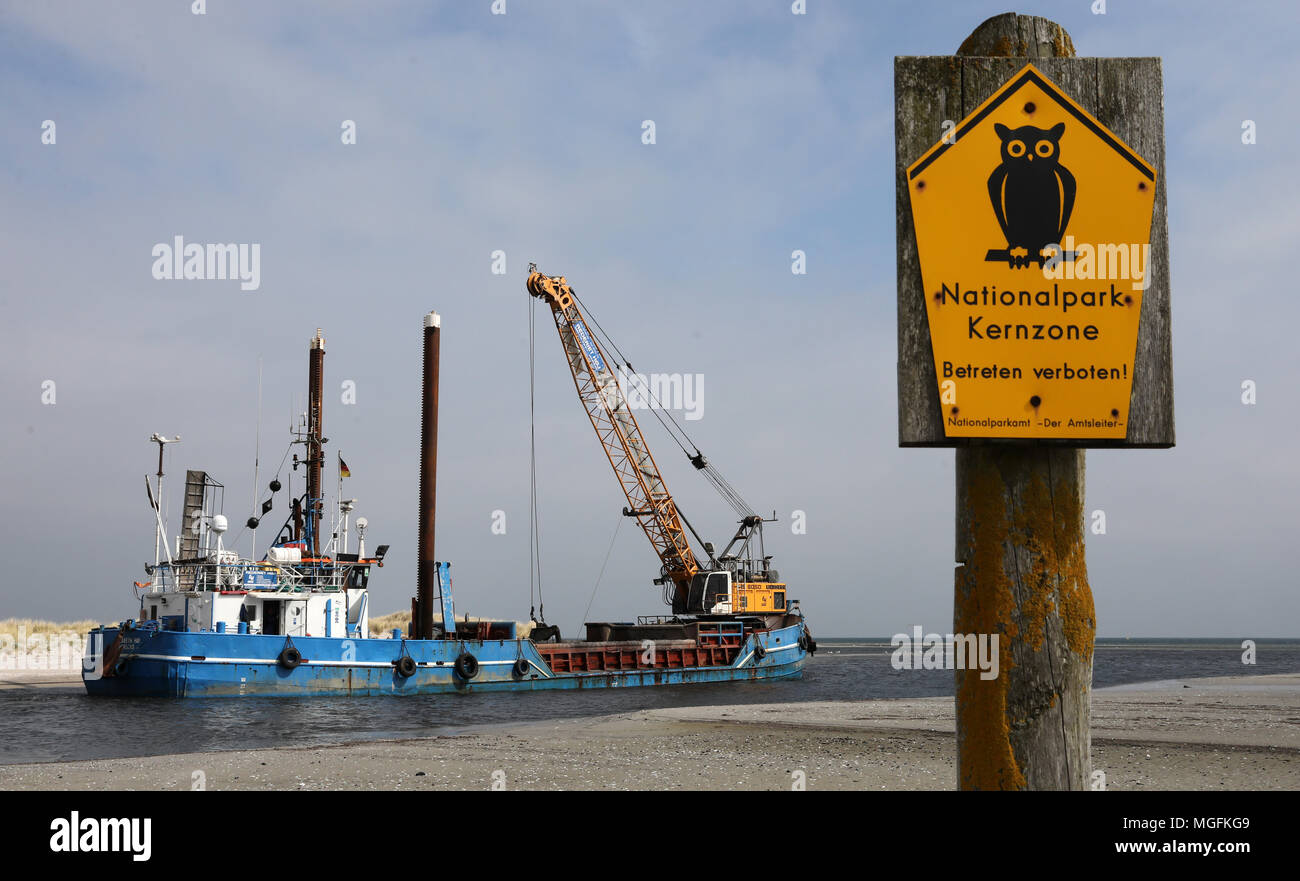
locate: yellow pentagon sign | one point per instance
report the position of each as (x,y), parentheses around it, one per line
(1033,229)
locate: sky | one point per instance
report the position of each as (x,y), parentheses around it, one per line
(522,133)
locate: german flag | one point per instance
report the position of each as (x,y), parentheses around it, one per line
(343,468)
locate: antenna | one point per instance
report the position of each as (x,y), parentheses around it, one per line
(160,538)
(345,509)
(257,453)
(362,523)
(218,527)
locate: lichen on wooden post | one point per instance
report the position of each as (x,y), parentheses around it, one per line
(1022,575)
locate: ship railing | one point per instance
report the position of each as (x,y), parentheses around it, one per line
(309,580)
(722,633)
(209,574)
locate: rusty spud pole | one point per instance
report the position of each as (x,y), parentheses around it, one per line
(426,572)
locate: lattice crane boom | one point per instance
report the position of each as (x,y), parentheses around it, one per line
(619,434)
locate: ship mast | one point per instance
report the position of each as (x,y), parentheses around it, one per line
(160,536)
(315,439)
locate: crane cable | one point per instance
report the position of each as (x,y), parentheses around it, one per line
(278,471)
(592,598)
(534,532)
(719,483)
(632,372)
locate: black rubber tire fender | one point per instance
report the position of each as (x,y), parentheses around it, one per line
(466,666)
(405,666)
(289,658)
(121,667)
(523,667)
(759,652)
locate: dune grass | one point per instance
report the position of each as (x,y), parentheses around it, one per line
(34,626)
(32,643)
(385,624)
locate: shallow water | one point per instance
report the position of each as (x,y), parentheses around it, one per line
(40,725)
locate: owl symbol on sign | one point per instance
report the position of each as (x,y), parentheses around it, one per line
(1032,193)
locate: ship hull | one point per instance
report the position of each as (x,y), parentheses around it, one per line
(164,663)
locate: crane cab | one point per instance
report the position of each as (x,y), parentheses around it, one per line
(720,593)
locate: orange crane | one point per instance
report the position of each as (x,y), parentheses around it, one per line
(731,584)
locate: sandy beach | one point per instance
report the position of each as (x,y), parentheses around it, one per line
(1232,733)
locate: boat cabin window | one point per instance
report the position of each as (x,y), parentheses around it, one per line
(358,576)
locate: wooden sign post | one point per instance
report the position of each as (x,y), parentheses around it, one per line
(1033,321)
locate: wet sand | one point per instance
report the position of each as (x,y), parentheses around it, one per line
(1233,733)
(46,680)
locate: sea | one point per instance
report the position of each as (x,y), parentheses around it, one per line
(64,724)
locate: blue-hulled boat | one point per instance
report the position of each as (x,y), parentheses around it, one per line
(297,621)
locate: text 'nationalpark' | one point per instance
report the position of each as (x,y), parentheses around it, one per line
(978,328)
